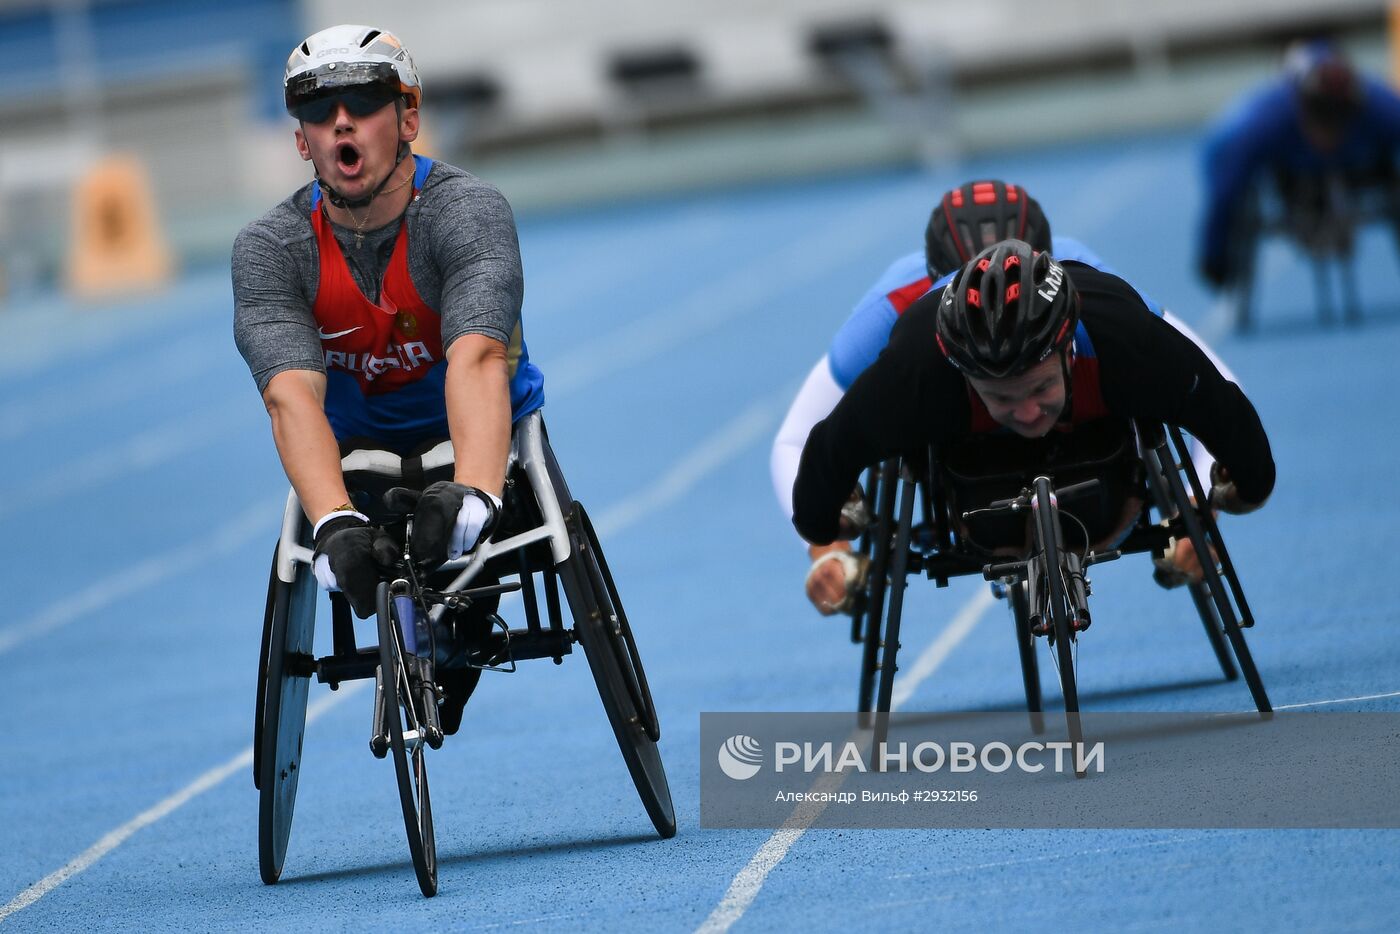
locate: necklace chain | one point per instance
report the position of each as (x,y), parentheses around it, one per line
(369,209)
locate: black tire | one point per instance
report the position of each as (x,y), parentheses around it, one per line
(866,547)
(629,661)
(1050,542)
(1200,596)
(1026,647)
(598,624)
(260,704)
(290,665)
(402,703)
(889,656)
(1205,537)
(877,586)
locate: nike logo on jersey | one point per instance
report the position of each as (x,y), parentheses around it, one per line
(327,337)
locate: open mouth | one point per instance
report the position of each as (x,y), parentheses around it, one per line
(348,158)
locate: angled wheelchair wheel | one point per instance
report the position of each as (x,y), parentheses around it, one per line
(889,647)
(1220,582)
(634,676)
(1025,644)
(401,701)
(260,705)
(877,583)
(286,681)
(1200,596)
(602,629)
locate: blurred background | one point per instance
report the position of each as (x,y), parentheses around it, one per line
(704,189)
(173,107)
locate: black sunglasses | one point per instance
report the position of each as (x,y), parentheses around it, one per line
(360,102)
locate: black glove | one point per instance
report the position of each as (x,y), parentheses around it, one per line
(1223,494)
(1215,270)
(449,521)
(345,559)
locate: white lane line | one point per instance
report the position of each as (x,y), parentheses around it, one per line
(111,387)
(749,882)
(150,448)
(734,296)
(228,538)
(754,423)
(164,808)
(1337,700)
(712,453)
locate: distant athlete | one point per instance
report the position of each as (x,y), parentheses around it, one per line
(380,304)
(966,219)
(1319,124)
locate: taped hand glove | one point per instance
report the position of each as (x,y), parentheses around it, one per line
(451,520)
(1223,494)
(345,558)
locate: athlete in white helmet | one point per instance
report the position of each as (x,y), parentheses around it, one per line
(381,301)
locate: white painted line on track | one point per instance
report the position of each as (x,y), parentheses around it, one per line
(735,296)
(150,448)
(749,882)
(113,839)
(161,369)
(708,456)
(129,580)
(1336,700)
(755,422)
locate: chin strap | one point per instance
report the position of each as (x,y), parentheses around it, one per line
(342,202)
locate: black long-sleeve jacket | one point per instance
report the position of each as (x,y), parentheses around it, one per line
(912,397)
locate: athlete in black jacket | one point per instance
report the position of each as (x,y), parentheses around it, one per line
(1019,342)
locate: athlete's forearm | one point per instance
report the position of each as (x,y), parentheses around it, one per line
(295,401)
(816,399)
(478,411)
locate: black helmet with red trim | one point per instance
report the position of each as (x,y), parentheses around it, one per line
(1008,309)
(972,217)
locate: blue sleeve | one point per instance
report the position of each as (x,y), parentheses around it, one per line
(867,330)
(1236,148)
(1380,112)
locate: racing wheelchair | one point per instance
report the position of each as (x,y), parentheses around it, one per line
(1031,516)
(544,534)
(1321,217)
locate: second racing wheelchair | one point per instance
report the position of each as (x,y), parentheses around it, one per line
(1032,516)
(544,535)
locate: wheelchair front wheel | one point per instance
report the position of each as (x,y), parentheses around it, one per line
(285,683)
(601,628)
(1055,601)
(405,723)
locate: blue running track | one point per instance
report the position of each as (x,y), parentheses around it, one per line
(141,501)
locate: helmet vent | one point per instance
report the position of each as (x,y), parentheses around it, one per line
(369,37)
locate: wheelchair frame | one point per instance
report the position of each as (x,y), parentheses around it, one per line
(1346,210)
(897,548)
(561,547)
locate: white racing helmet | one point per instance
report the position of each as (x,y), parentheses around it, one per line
(347,58)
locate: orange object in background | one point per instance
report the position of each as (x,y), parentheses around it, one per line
(1393,31)
(116,243)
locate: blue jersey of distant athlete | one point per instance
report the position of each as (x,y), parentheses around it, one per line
(867,330)
(1263,130)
